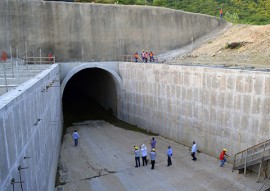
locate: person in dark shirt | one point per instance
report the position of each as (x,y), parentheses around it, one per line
(153,143)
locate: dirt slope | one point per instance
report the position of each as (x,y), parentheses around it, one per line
(254,50)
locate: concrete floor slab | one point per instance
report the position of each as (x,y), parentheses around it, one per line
(104,160)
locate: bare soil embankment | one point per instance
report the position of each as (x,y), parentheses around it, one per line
(253,49)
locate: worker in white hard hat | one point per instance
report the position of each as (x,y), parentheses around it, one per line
(222,157)
(144,154)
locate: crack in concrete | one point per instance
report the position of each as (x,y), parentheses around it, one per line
(92,177)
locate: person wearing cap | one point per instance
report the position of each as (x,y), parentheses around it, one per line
(137,156)
(169,153)
(222,157)
(144,154)
(153,158)
(193,151)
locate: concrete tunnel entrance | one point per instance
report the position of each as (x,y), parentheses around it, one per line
(90,94)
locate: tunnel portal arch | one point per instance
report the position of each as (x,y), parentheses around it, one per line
(113,75)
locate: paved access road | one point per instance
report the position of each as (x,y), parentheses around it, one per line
(104,160)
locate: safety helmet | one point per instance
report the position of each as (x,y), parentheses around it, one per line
(154,150)
(225,150)
(136,147)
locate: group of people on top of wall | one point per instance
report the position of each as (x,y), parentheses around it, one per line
(145,56)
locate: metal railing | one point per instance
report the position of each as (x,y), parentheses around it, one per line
(39,60)
(130,58)
(251,156)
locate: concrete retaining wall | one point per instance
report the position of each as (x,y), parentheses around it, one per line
(87,32)
(217,108)
(31,126)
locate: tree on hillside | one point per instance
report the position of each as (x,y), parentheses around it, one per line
(239,11)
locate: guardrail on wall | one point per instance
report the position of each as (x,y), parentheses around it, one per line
(40,60)
(130,58)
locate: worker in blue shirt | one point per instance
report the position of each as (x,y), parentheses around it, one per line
(75,136)
(169,153)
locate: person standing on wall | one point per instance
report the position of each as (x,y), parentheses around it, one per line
(153,158)
(136,56)
(75,136)
(143,55)
(146,56)
(222,157)
(151,56)
(137,156)
(144,154)
(220,13)
(169,153)
(153,143)
(193,151)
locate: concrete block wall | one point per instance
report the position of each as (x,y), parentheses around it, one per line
(94,32)
(217,108)
(31,126)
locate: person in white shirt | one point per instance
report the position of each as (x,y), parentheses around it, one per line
(193,151)
(144,154)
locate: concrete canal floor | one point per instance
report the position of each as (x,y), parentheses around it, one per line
(104,160)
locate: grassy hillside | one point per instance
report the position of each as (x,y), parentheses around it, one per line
(236,11)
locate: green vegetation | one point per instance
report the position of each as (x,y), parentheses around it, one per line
(235,11)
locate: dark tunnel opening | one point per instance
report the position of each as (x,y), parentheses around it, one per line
(90,95)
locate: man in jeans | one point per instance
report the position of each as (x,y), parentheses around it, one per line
(153,158)
(144,154)
(137,156)
(153,143)
(75,136)
(222,157)
(169,154)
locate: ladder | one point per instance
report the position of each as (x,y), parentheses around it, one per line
(257,154)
